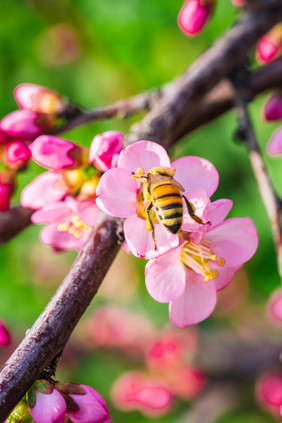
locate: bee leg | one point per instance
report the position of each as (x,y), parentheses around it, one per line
(191,211)
(150,225)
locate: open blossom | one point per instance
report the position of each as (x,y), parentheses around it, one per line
(69,223)
(189,276)
(273,107)
(38,99)
(118,194)
(274,146)
(105,149)
(270,45)
(269,392)
(194,15)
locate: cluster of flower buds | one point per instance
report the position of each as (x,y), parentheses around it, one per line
(273,112)
(39,109)
(270,45)
(60,402)
(170,221)
(64,196)
(194,15)
(168,372)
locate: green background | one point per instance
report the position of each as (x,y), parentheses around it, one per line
(122,47)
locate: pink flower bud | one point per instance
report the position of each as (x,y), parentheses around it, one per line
(273,107)
(270,45)
(238,3)
(4,139)
(46,404)
(269,392)
(55,153)
(92,408)
(16,155)
(105,149)
(24,124)
(7,186)
(274,146)
(38,99)
(274,309)
(194,15)
(5,337)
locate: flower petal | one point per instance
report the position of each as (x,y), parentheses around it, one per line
(196,303)
(86,210)
(235,240)
(143,154)
(116,193)
(53,212)
(198,197)
(49,235)
(140,240)
(225,275)
(274,147)
(195,172)
(165,277)
(219,210)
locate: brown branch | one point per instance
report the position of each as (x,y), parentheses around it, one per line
(13,222)
(270,199)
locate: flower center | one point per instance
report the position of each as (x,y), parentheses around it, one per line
(74,225)
(197,258)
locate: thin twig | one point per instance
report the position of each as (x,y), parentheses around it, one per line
(270,199)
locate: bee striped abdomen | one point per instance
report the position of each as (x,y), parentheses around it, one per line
(168,206)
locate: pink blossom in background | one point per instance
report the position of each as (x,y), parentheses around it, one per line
(187,382)
(274,307)
(69,223)
(38,99)
(5,337)
(118,194)
(274,146)
(16,155)
(138,391)
(270,45)
(238,3)
(4,138)
(194,16)
(7,187)
(189,276)
(23,124)
(92,407)
(49,406)
(273,108)
(44,189)
(105,149)
(55,153)
(269,392)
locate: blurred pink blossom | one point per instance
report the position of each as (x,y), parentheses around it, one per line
(269,392)
(5,337)
(24,124)
(238,3)
(273,107)
(270,45)
(16,155)
(105,149)
(4,138)
(7,186)
(194,16)
(274,146)
(274,307)
(38,99)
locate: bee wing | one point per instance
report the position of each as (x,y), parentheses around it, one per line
(177,185)
(158,179)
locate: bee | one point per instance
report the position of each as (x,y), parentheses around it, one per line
(159,190)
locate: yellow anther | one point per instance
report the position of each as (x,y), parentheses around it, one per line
(74,225)
(140,171)
(221,261)
(213,257)
(63,227)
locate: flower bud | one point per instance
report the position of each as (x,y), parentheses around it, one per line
(5,337)
(16,155)
(7,186)
(273,107)
(274,146)
(4,138)
(105,149)
(38,99)
(56,153)
(46,404)
(20,414)
(269,392)
(270,45)
(194,15)
(274,308)
(24,125)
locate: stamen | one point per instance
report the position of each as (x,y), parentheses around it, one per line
(74,225)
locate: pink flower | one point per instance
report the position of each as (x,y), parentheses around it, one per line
(118,194)
(105,149)
(194,15)
(273,107)
(46,404)
(55,153)
(4,138)
(46,188)
(270,45)
(69,223)
(7,186)
(16,155)
(38,99)
(137,391)
(92,407)
(274,146)
(187,382)
(189,276)
(274,309)
(24,124)
(5,337)
(238,3)
(269,392)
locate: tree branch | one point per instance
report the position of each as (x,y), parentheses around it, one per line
(13,221)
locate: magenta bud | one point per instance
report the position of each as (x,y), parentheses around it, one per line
(105,149)
(270,45)
(92,408)
(23,124)
(38,99)
(5,337)
(273,108)
(55,153)
(16,155)
(194,15)
(4,138)
(7,186)
(46,404)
